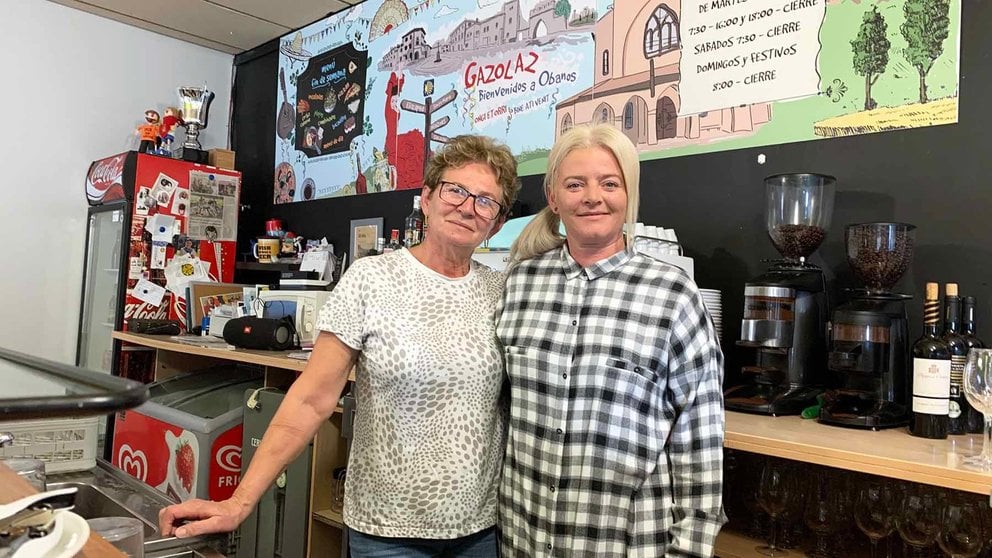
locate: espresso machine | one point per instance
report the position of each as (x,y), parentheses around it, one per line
(785,308)
(869,345)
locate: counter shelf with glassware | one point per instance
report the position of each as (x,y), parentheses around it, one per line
(849,455)
(888,453)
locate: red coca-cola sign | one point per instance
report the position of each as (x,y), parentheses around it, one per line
(105,180)
(138,309)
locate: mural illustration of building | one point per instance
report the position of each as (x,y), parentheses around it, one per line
(505,27)
(636,87)
(413,48)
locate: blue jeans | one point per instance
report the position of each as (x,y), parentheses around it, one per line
(476,545)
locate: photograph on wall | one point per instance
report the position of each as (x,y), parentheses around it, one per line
(678,78)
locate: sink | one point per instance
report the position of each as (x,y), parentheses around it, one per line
(91,503)
(106,491)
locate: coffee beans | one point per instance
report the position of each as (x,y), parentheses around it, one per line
(879,257)
(796,241)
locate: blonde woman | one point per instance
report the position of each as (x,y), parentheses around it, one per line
(615,438)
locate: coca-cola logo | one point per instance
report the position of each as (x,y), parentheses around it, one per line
(105,174)
(144,311)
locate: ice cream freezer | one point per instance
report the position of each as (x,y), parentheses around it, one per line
(186,439)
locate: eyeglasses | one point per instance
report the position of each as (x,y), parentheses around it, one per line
(456,194)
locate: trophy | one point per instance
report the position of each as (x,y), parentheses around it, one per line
(194,103)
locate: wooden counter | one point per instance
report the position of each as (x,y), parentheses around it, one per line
(14,487)
(277,359)
(174,358)
(889,453)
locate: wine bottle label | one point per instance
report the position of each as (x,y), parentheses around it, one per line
(931,386)
(957,369)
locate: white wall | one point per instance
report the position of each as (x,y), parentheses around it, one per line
(74,88)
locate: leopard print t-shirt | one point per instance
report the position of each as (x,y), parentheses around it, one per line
(429,427)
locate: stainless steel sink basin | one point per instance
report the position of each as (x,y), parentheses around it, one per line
(91,503)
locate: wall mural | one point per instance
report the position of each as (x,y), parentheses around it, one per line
(368,93)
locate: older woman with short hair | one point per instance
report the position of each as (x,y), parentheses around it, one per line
(418,326)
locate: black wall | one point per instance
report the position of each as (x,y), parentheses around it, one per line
(936,178)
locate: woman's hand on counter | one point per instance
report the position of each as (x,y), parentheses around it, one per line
(200,517)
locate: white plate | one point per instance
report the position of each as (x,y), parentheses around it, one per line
(67,538)
(75,533)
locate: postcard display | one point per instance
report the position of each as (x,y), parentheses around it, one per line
(178,223)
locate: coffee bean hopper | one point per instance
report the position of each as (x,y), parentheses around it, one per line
(785,308)
(869,345)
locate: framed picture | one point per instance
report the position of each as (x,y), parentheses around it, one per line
(364,233)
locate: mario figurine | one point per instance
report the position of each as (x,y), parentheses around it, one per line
(149,132)
(173,117)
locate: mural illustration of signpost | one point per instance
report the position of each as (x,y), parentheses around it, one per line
(428,108)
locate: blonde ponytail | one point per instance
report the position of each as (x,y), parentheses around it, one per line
(539,236)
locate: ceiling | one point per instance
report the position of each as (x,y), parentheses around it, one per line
(231,26)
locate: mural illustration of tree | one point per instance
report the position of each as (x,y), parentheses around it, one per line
(563,8)
(925,29)
(871,51)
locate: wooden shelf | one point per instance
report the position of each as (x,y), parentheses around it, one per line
(277,359)
(889,453)
(730,544)
(329,517)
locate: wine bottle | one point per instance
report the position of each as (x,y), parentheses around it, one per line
(931,374)
(413,225)
(957,413)
(975,421)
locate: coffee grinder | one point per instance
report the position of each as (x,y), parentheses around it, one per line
(785,308)
(869,345)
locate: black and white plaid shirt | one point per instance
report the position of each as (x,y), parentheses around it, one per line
(615,443)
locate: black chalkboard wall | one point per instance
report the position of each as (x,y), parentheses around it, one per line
(936,178)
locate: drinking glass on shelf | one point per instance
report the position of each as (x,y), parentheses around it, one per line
(918,518)
(961,530)
(775,490)
(977,384)
(339,475)
(823,511)
(874,510)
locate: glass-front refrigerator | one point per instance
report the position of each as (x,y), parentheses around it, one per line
(102,287)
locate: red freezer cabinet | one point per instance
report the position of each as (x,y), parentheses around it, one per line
(186,440)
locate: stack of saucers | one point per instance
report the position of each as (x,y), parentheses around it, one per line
(711,298)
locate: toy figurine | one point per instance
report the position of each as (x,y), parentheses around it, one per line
(173,117)
(149,132)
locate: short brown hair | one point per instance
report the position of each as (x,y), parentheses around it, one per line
(466,149)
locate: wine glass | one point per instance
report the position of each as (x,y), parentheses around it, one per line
(919,518)
(749,463)
(977,384)
(874,510)
(961,531)
(822,511)
(775,489)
